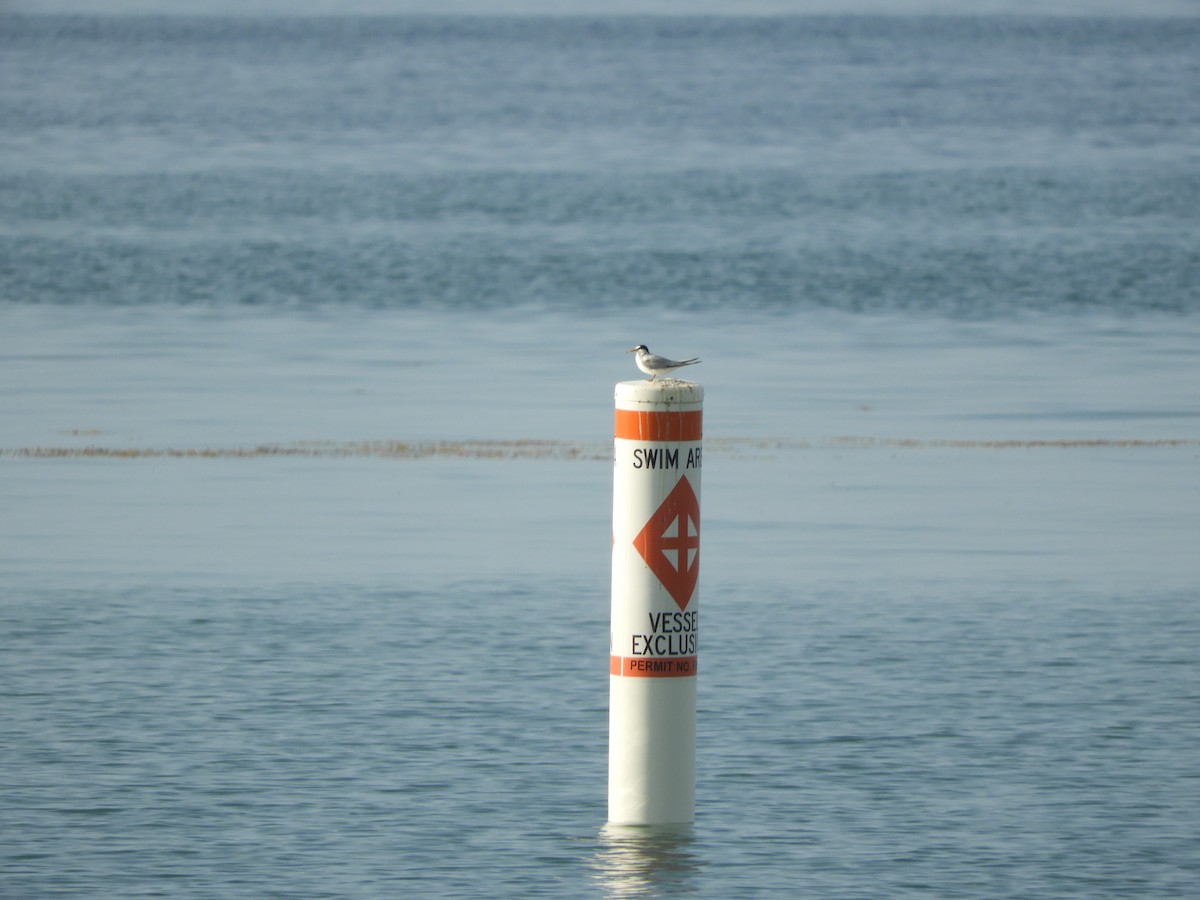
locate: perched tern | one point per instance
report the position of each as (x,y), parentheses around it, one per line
(657,365)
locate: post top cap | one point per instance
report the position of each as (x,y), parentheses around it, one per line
(661,393)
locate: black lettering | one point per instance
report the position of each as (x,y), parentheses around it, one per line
(673,622)
(671,634)
(659,458)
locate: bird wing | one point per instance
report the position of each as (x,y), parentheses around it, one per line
(661,362)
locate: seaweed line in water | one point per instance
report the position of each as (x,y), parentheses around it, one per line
(591,451)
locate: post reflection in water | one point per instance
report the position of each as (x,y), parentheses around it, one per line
(643,860)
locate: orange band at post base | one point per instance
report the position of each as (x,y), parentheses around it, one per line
(649,667)
(643,425)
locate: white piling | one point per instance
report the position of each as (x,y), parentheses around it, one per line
(655,605)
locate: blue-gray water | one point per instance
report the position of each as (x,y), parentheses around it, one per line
(308,329)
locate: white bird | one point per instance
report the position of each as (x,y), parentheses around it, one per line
(657,365)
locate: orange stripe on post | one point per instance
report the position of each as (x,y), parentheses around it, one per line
(642,425)
(643,667)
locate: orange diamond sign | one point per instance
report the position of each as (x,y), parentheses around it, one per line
(670,542)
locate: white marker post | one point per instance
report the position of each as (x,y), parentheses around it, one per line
(655,615)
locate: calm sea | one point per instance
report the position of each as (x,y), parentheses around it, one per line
(308,332)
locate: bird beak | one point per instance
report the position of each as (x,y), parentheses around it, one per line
(631,349)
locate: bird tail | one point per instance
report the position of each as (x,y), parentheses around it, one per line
(688,362)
